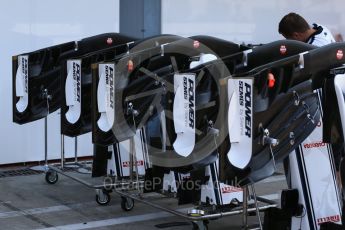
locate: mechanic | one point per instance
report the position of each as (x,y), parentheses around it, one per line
(293,26)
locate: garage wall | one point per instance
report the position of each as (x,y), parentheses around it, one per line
(27,25)
(249,21)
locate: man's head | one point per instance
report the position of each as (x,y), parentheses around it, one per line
(293,26)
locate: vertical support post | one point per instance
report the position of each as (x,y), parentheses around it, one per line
(46,141)
(256,206)
(62,151)
(44,168)
(131,158)
(135,161)
(75,149)
(48,97)
(245,208)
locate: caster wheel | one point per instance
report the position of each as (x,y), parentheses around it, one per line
(127,204)
(103,198)
(51,177)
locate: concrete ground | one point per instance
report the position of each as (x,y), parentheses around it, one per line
(28,202)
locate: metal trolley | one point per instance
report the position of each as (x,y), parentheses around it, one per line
(131,190)
(200,215)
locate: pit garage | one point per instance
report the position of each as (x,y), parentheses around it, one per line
(157,114)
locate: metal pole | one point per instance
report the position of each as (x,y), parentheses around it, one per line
(76,150)
(131,144)
(62,151)
(245,208)
(44,168)
(46,140)
(192,218)
(256,206)
(135,160)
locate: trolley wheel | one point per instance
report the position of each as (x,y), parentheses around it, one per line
(51,177)
(103,197)
(200,226)
(127,204)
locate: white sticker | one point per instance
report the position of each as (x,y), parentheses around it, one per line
(240,121)
(22,83)
(316,181)
(73,90)
(106,96)
(184,113)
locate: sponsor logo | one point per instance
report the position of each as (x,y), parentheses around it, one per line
(191,102)
(231,189)
(314,145)
(240,90)
(340,54)
(127,164)
(76,77)
(25,72)
(248,109)
(282,49)
(196,44)
(185,93)
(188,95)
(109,80)
(335,218)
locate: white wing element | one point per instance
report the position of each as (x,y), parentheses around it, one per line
(22,83)
(73,91)
(203,59)
(339,85)
(184,113)
(106,96)
(233,115)
(239,120)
